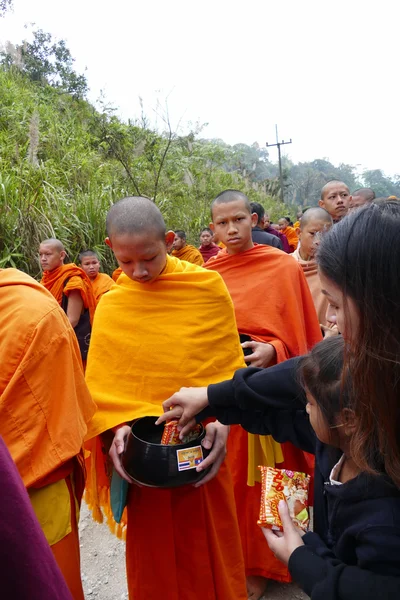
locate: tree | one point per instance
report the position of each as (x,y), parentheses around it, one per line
(5,5)
(382,185)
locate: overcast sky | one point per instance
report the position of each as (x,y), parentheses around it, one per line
(326,72)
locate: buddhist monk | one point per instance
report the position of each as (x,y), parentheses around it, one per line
(207,247)
(185,251)
(360,197)
(101,282)
(289,231)
(313,224)
(72,289)
(299,216)
(44,409)
(181,543)
(258,234)
(335,198)
(274,230)
(274,307)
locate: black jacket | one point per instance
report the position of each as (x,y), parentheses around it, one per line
(260,236)
(354,551)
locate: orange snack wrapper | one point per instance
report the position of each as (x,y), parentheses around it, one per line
(282,484)
(170,436)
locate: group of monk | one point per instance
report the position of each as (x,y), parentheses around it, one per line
(85,354)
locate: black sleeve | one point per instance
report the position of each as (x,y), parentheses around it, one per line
(265,402)
(331,579)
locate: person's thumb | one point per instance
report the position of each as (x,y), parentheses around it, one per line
(209,437)
(285,516)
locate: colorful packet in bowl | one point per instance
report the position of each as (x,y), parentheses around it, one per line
(170,436)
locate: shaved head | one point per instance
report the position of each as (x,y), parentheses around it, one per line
(367,194)
(56,244)
(327,187)
(315,214)
(87,254)
(231,196)
(135,215)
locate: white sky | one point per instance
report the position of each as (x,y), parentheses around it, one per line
(326,72)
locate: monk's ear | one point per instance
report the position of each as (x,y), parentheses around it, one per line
(169,239)
(108,242)
(254,219)
(298,231)
(63,254)
(321,203)
(211,226)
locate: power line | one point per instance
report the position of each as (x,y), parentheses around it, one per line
(279,144)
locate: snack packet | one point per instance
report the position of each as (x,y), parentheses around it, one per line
(282,484)
(170,436)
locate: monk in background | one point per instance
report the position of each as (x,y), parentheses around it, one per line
(44,409)
(72,289)
(360,197)
(335,198)
(273,307)
(181,543)
(290,232)
(273,229)
(101,282)
(207,248)
(185,251)
(313,224)
(299,216)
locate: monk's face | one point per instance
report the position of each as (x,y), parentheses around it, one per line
(232,222)
(50,257)
(282,223)
(336,200)
(357,201)
(142,257)
(178,243)
(91,266)
(310,236)
(205,238)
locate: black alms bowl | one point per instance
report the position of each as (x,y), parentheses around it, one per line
(151,463)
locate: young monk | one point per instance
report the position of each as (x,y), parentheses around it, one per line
(181,543)
(185,251)
(313,223)
(274,230)
(101,282)
(360,197)
(273,306)
(44,408)
(299,217)
(71,287)
(290,232)
(207,248)
(335,198)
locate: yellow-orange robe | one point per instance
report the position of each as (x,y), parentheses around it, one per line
(272,305)
(116,273)
(182,543)
(190,254)
(292,237)
(54,281)
(101,284)
(44,409)
(310,270)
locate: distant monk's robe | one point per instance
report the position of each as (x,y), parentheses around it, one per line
(292,237)
(310,270)
(64,279)
(44,408)
(208,251)
(182,543)
(272,304)
(101,284)
(190,254)
(116,273)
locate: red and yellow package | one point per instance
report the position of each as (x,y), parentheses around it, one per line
(282,484)
(170,436)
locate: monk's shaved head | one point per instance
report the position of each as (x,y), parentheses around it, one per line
(231,196)
(315,214)
(333,183)
(56,244)
(135,215)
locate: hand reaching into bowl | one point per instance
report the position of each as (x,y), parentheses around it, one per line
(216,438)
(184,406)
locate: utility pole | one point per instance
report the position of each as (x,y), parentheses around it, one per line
(279,144)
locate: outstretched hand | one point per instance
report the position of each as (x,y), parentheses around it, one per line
(184,406)
(263,354)
(216,438)
(284,543)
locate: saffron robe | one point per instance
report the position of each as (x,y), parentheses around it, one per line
(101,284)
(209,251)
(182,543)
(44,409)
(116,273)
(281,236)
(292,237)
(310,270)
(273,305)
(190,254)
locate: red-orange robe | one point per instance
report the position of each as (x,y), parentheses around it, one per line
(55,282)
(272,304)
(101,284)
(44,408)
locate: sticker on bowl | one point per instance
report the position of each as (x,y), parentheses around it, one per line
(189,458)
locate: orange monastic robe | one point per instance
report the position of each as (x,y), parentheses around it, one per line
(190,254)
(54,281)
(101,284)
(310,270)
(272,304)
(292,237)
(116,273)
(182,543)
(44,408)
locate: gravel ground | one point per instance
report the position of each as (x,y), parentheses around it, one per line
(103,566)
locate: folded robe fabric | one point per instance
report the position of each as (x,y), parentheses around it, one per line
(101,284)
(190,254)
(148,340)
(56,282)
(116,273)
(273,305)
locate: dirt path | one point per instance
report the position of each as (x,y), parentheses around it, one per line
(103,566)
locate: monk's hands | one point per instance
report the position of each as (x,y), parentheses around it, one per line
(117,448)
(216,438)
(263,354)
(282,544)
(184,406)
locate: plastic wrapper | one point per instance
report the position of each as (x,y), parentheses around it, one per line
(170,436)
(282,484)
